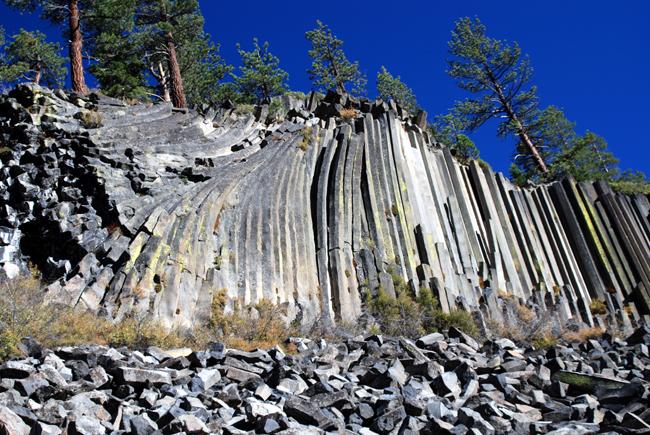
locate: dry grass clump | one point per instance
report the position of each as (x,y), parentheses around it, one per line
(583,334)
(257,326)
(349,113)
(523,323)
(91,119)
(22,314)
(525,313)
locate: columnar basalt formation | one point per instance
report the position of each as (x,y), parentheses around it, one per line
(158,210)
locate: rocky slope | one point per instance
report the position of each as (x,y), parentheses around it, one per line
(435,385)
(156,211)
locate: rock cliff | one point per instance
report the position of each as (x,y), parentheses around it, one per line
(155,211)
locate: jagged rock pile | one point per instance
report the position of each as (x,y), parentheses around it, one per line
(439,384)
(156,211)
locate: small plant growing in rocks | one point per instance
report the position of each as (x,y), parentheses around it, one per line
(597,307)
(307,138)
(276,110)
(244,109)
(410,315)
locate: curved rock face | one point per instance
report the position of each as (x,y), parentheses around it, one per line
(157,211)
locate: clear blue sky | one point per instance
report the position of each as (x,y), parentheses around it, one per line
(591,58)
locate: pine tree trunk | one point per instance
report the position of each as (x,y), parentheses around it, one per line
(76,59)
(523,136)
(39,73)
(340,86)
(521,130)
(175,79)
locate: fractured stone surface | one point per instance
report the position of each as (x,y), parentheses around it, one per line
(157,211)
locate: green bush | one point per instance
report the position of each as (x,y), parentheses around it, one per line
(244,108)
(407,316)
(296,94)
(276,110)
(396,316)
(631,187)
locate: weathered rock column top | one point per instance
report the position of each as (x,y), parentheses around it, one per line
(158,211)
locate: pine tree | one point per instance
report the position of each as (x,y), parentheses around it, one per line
(330,69)
(500,78)
(5,73)
(450,131)
(202,68)
(117,52)
(585,158)
(179,54)
(59,12)
(30,57)
(261,77)
(552,133)
(392,88)
(164,21)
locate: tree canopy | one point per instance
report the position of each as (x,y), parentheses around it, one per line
(117,64)
(179,53)
(450,130)
(330,68)
(393,88)
(145,49)
(498,76)
(29,57)
(261,77)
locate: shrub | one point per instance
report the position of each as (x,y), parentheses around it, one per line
(276,110)
(483,164)
(631,183)
(457,318)
(544,340)
(396,316)
(525,314)
(307,138)
(597,306)
(91,119)
(521,323)
(631,187)
(297,94)
(412,317)
(244,108)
